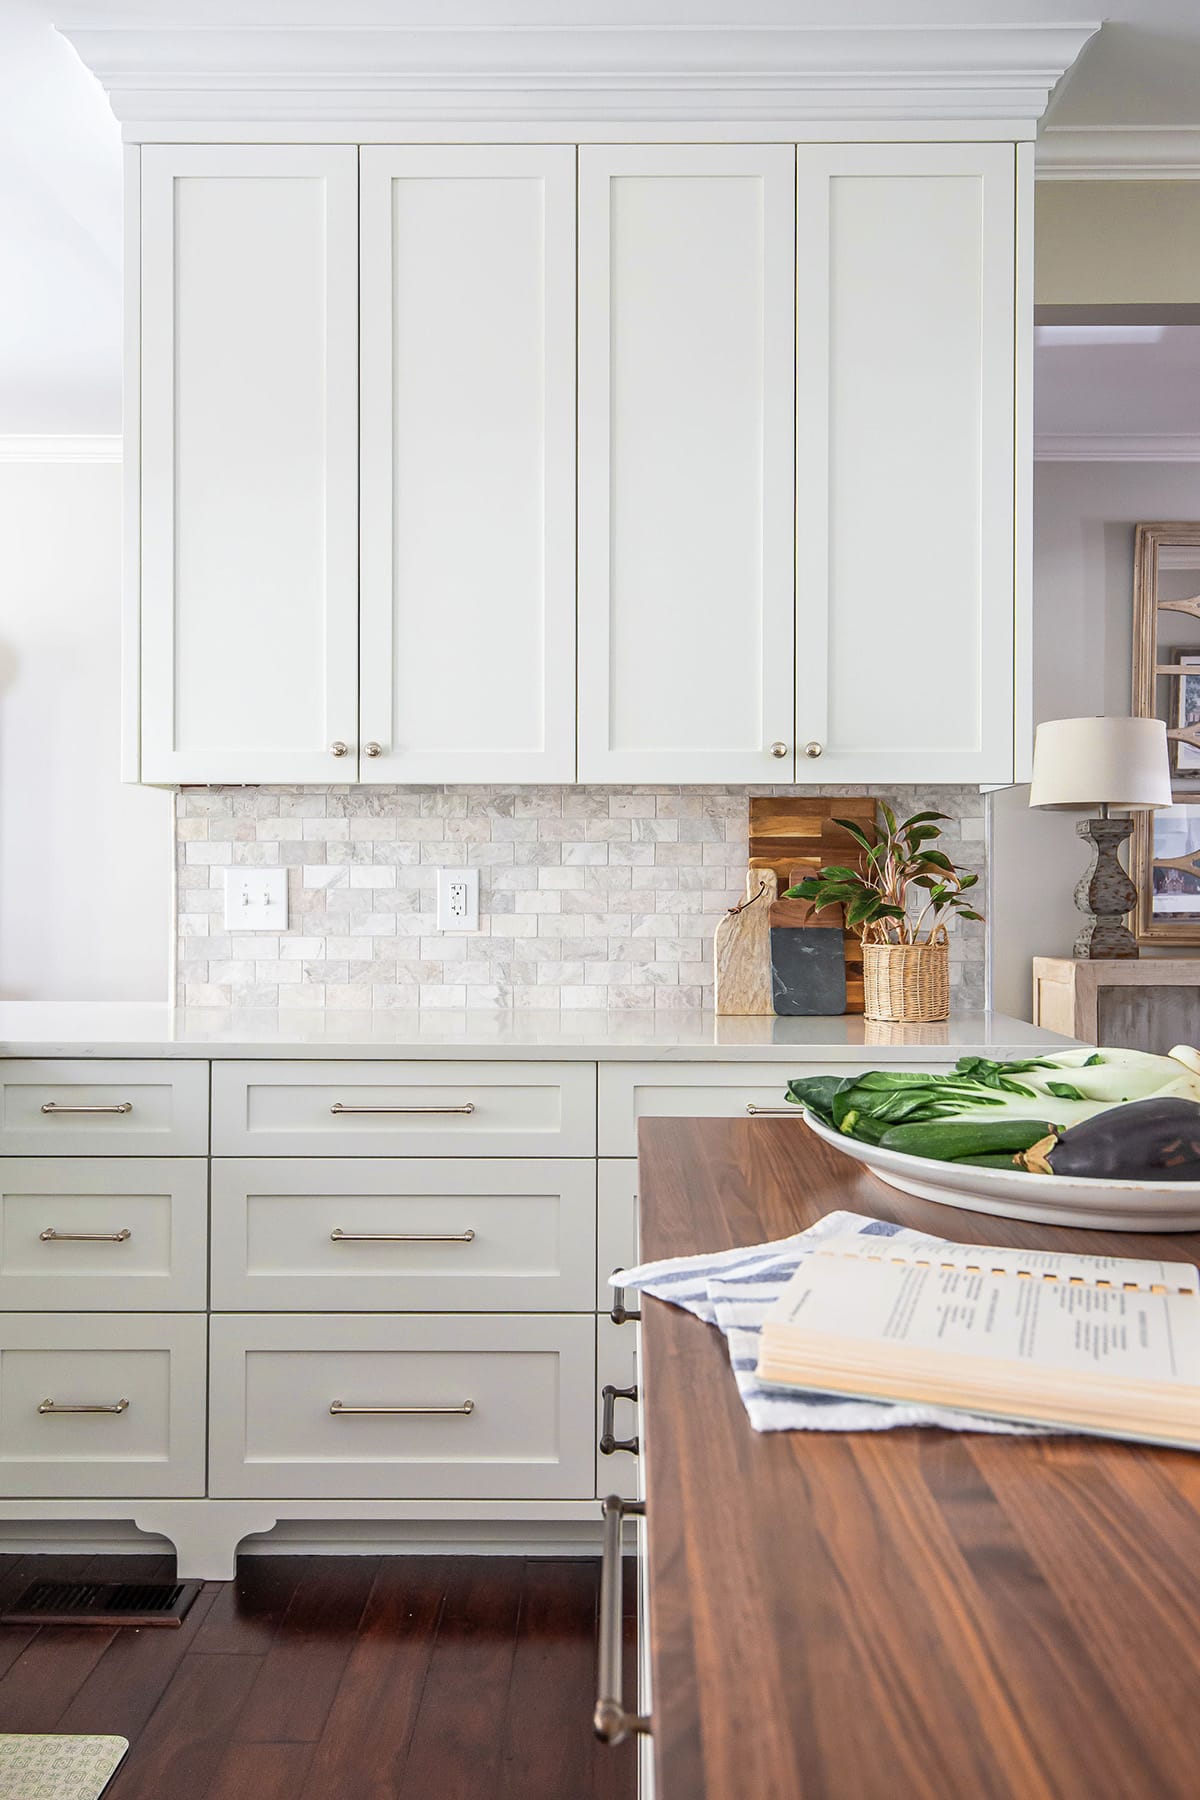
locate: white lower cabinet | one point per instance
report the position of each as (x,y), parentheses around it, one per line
(616,1222)
(102,1404)
(447,1405)
(90,1234)
(403,1234)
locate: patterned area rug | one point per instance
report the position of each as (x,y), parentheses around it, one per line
(58,1768)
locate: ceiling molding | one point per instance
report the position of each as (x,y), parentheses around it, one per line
(1160,447)
(65,448)
(481,73)
(1118,153)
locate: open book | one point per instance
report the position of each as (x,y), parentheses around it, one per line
(1081,1343)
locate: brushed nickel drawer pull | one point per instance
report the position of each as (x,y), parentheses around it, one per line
(620,1313)
(53,1106)
(339,1411)
(338,1236)
(65,1406)
(50,1236)
(609,1443)
(773,1112)
(610,1722)
(337,1109)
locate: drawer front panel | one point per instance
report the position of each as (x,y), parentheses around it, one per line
(404,1109)
(86,1108)
(403,1234)
(90,1234)
(526,1380)
(146,1378)
(617,1360)
(616,1225)
(630,1092)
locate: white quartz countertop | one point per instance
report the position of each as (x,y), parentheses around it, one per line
(100,1028)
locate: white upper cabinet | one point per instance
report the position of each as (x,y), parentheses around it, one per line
(468,463)
(249,457)
(686,371)
(905,463)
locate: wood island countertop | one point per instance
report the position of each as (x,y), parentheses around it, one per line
(921,1615)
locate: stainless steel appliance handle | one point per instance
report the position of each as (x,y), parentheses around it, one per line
(774,1112)
(337,1109)
(611,1723)
(55,1106)
(338,1236)
(609,1443)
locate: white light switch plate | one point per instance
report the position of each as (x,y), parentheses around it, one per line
(256,900)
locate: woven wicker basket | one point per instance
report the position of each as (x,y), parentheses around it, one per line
(907,983)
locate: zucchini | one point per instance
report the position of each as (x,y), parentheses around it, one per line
(992,1162)
(952,1140)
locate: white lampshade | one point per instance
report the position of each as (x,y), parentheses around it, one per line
(1093,762)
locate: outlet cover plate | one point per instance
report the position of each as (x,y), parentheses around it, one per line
(256,900)
(458,899)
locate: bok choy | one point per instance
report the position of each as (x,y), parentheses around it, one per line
(1066,1088)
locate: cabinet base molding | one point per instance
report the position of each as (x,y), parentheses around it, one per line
(207,1535)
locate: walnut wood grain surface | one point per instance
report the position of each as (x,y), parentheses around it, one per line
(908,1614)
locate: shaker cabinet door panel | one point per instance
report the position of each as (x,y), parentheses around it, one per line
(249,466)
(905,462)
(468,463)
(686,341)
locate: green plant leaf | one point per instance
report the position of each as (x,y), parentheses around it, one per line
(805,890)
(936,860)
(837,872)
(966,912)
(864,908)
(856,832)
(889,818)
(925,818)
(967,881)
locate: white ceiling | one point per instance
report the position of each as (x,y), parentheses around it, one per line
(60,159)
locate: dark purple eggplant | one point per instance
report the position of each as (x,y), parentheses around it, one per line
(1140,1140)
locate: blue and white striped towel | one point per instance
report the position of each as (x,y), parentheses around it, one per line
(733,1290)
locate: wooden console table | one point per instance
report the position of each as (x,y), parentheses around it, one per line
(1148,1004)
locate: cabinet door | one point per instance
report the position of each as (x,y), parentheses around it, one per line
(249,462)
(686,339)
(904,465)
(468,463)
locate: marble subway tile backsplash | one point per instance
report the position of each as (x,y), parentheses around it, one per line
(589,896)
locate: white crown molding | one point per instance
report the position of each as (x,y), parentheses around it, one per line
(1118,153)
(16,447)
(489,73)
(1093,447)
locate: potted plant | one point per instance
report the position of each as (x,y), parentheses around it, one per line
(898,899)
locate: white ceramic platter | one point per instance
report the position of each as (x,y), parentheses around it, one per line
(1045,1199)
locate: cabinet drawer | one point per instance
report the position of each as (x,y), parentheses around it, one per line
(404,1109)
(424,1406)
(617,1359)
(87,1108)
(630,1092)
(479,1234)
(145,1378)
(92,1234)
(616,1224)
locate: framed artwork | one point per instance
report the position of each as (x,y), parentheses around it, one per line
(1167,873)
(1187,715)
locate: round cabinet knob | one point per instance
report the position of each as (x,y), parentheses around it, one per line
(779,748)
(813,748)
(374,749)
(338,748)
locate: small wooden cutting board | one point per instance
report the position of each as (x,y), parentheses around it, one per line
(742,949)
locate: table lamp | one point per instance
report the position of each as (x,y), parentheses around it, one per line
(1102,762)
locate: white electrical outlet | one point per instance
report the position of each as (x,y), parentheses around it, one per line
(458,899)
(256,900)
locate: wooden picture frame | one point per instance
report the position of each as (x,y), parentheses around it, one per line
(1166,681)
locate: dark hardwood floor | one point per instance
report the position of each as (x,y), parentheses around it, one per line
(334,1678)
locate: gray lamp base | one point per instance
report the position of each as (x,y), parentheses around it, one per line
(1105,894)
